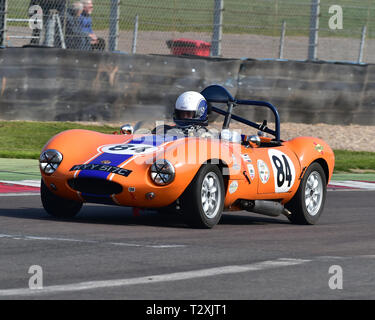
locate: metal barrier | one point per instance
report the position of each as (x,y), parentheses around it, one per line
(342,30)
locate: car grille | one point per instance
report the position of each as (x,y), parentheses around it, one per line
(95,186)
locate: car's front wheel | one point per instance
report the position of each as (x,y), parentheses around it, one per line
(57,206)
(308,202)
(203,201)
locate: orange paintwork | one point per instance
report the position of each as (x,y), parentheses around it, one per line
(187,155)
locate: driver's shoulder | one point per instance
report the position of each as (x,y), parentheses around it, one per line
(162,129)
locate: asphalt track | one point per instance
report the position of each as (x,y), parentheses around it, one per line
(108,253)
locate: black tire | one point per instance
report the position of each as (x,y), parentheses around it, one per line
(191,204)
(301,214)
(56,206)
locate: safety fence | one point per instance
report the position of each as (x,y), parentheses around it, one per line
(340,30)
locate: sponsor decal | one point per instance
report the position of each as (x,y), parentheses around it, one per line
(105,162)
(251,169)
(127,149)
(246,157)
(283,170)
(101,167)
(236,166)
(318,147)
(264,172)
(233,187)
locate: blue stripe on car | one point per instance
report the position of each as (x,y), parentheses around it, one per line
(116,160)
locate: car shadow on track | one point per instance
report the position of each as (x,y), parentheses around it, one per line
(92,214)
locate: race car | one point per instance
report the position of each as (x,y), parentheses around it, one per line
(195,176)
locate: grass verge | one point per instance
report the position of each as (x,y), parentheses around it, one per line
(24,140)
(351,161)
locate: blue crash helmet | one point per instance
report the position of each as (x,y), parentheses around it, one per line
(190,109)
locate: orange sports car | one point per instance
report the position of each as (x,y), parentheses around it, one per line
(196,175)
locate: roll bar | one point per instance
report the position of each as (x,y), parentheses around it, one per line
(218,94)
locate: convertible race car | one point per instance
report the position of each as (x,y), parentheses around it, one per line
(196,176)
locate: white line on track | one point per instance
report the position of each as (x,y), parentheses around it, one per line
(147,245)
(124,244)
(354,184)
(202,273)
(23,194)
(28,183)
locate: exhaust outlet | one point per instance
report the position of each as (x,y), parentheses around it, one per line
(267,208)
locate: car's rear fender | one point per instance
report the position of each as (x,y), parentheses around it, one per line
(309,150)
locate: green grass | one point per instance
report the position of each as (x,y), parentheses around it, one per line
(24,140)
(240,16)
(19,169)
(353,176)
(350,161)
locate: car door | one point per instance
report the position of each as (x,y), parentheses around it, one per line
(277,168)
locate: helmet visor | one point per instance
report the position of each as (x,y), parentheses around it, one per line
(184,115)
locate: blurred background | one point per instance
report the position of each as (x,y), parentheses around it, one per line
(260,29)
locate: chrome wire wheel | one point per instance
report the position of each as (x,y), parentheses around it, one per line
(313,193)
(307,204)
(211,195)
(202,202)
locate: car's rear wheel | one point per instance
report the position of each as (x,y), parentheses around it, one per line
(57,206)
(307,204)
(203,201)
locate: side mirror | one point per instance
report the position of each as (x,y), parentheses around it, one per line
(255,140)
(127,129)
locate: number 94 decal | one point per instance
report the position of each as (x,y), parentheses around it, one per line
(283,170)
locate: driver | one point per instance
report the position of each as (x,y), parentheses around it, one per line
(190,110)
(190,116)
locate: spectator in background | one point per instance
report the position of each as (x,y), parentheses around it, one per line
(75,38)
(86,26)
(47,5)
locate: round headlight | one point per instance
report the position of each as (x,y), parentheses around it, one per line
(162,172)
(50,160)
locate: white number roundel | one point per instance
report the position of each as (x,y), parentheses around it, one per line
(127,149)
(283,170)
